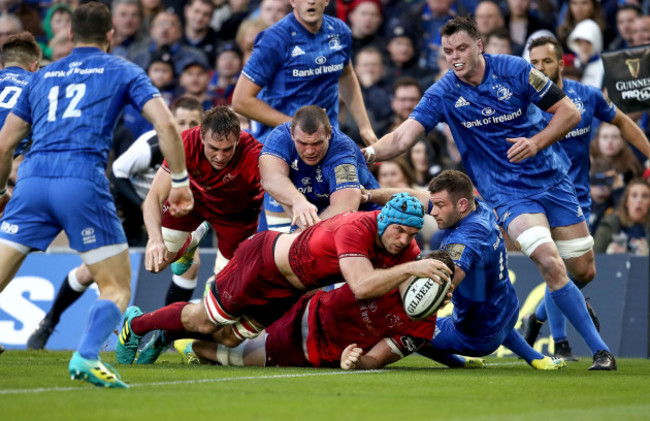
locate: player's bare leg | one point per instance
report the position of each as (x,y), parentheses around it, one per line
(11,257)
(533,236)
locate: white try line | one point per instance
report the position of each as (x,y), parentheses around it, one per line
(197,381)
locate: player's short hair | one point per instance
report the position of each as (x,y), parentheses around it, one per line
(91,22)
(456,183)
(205,2)
(499,33)
(538,42)
(221,121)
(634,7)
(310,118)
(186,103)
(444,257)
(459,24)
(20,48)
(407,81)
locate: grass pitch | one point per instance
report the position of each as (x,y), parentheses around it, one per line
(34,386)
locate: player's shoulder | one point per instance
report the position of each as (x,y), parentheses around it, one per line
(506,62)
(249,143)
(333,24)
(341,144)
(446,84)
(478,223)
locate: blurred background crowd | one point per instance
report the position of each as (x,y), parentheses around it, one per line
(197,48)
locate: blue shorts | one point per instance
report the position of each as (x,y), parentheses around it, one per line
(41,207)
(447,338)
(559,204)
(271,205)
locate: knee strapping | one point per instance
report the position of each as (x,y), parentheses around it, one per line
(231,356)
(575,247)
(216,313)
(246,329)
(533,237)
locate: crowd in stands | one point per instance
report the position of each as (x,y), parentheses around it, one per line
(197,48)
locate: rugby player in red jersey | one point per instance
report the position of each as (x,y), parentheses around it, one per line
(224,178)
(329,329)
(373,251)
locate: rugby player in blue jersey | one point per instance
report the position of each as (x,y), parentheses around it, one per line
(72,107)
(546,55)
(20,56)
(313,170)
(304,59)
(486,307)
(485,100)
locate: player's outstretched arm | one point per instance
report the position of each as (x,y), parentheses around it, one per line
(350,92)
(367,282)
(274,176)
(632,132)
(13,131)
(380,355)
(343,200)
(246,103)
(152,214)
(180,197)
(382,196)
(565,117)
(394,143)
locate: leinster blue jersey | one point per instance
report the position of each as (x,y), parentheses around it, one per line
(591,103)
(482,117)
(485,300)
(13,80)
(342,168)
(296,68)
(73,105)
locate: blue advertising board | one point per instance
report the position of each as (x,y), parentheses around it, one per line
(29,296)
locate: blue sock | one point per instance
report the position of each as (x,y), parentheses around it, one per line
(556,320)
(540,312)
(570,301)
(516,343)
(103,317)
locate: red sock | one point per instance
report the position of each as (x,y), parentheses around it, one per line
(168,318)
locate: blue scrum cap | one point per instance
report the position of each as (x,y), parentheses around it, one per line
(402,209)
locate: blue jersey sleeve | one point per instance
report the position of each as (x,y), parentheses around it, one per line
(604,109)
(280,144)
(463,245)
(340,167)
(429,110)
(266,60)
(141,90)
(532,82)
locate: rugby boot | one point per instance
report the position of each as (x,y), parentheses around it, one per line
(603,360)
(128,342)
(183,264)
(530,328)
(563,350)
(548,363)
(95,372)
(152,350)
(39,338)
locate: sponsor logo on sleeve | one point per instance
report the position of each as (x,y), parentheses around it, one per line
(345,173)
(537,79)
(455,250)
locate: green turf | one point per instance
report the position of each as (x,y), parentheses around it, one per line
(34,386)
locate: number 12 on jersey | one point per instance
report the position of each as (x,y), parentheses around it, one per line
(76,91)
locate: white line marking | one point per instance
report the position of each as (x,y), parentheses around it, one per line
(217,380)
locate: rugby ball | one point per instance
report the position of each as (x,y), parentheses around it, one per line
(423,296)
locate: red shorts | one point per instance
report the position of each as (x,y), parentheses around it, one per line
(284,344)
(251,283)
(230,233)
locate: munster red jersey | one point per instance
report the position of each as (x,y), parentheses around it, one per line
(314,255)
(337,319)
(234,192)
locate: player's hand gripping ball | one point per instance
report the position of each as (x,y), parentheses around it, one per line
(423,297)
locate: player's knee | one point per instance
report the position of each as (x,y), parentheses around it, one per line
(174,239)
(530,240)
(231,354)
(83,275)
(195,319)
